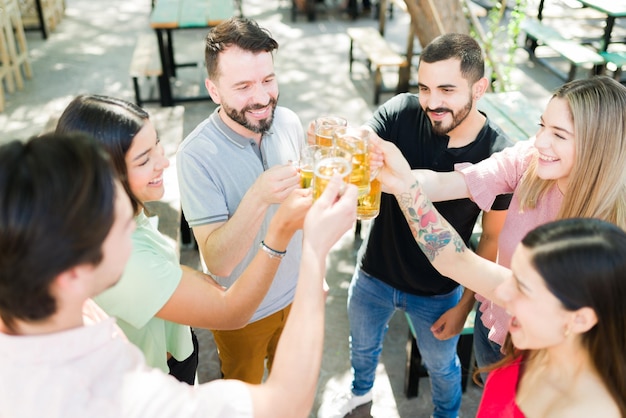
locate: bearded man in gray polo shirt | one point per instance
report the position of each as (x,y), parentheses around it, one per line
(234,171)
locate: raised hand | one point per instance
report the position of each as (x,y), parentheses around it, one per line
(332,214)
(292,211)
(276,183)
(395,174)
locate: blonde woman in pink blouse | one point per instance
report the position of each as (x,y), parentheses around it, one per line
(574,167)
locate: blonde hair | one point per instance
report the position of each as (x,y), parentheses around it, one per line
(597,183)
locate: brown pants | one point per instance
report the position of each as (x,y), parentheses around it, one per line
(243,351)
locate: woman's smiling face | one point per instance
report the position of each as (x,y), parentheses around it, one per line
(538,318)
(145,163)
(556,144)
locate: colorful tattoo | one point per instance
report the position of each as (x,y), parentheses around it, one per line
(431,231)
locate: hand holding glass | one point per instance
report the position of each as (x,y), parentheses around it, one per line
(356,141)
(328,162)
(325,127)
(368,206)
(306,164)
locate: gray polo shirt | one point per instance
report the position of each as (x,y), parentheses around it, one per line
(216,167)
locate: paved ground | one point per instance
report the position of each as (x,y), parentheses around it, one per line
(90,52)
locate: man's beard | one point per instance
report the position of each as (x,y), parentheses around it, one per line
(457,118)
(240,116)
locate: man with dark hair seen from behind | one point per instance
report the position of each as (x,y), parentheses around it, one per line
(65,235)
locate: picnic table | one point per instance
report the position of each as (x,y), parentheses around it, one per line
(171,15)
(613,9)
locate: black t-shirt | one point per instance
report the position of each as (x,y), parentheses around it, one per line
(390,252)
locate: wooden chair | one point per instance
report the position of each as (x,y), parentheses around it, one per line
(17,48)
(46,19)
(6,73)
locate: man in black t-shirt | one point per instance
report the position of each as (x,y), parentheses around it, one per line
(435,130)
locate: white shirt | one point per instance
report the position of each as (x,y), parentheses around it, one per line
(92,371)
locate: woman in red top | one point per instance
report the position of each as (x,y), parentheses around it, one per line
(566,296)
(565,293)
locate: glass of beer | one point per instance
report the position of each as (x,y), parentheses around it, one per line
(368,206)
(306,164)
(328,162)
(356,141)
(324,128)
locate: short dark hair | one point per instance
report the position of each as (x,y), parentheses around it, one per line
(458,46)
(238,31)
(56,209)
(111,121)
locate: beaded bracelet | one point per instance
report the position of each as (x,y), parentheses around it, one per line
(271,252)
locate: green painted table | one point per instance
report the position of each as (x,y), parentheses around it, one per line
(170,15)
(513,113)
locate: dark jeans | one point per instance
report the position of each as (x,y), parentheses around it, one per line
(486,351)
(185,370)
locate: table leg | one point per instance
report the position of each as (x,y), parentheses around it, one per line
(310,10)
(165,88)
(42,20)
(610,21)
(170,51)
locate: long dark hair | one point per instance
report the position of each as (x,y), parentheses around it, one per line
(113,122)
(583,263)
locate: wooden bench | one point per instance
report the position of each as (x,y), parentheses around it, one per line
(578,55)
(414,368)
(378,54)
(145,63)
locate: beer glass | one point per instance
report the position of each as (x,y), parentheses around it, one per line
(368,206)
(306,164)
(328,162)
(356,141)
(324,128)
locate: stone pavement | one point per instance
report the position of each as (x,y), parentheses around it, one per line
(90,52)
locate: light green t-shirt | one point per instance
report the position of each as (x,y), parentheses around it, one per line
(150,278)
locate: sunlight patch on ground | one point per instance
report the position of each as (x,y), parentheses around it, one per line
(383,405)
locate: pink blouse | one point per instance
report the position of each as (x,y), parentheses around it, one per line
(501,174)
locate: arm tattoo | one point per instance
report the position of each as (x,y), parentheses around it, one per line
(431,231)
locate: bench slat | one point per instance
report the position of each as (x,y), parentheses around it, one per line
(617,58)
(145,61)
(508,127)
(512,112)
(378,51)
(379,54)
(537,30)
(576,53)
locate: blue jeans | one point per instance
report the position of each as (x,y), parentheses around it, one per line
(371,304)
(486,351)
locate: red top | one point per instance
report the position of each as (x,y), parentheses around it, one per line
(499,395)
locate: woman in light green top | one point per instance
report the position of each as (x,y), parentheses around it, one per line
(157,300)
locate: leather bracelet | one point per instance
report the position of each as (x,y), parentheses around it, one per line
(271,252)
